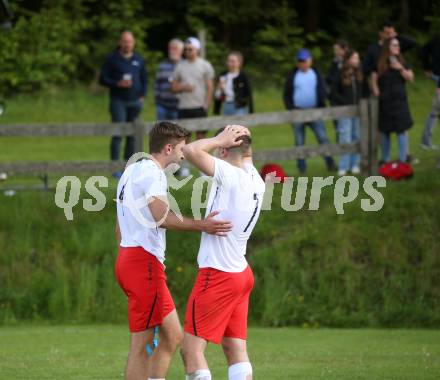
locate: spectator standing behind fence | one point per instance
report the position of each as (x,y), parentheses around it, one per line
(233,89)
(347,90)
(339,49)
(431,65)
(193,83)
(389,84)
(166,100)
(124,73)
(386,31)
(305,88)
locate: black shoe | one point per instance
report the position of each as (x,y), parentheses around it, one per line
(412,160)
(332,167)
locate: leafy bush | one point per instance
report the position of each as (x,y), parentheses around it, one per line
(41,51)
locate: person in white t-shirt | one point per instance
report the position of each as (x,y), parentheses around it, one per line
(217,308)
(143,215)
(193,84)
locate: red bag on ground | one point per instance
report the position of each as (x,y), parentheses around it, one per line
(277,171)
(396,170)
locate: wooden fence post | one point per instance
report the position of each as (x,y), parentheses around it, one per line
(365,136)
(139,135)
(374,136)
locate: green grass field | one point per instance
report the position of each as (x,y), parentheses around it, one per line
(99,352)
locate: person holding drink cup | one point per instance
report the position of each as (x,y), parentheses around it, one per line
(124,74)
(233,88)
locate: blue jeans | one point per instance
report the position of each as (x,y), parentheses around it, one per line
(348,132)
(318,128)
(229,109)
(123,111)
(402,141)
(431,120)
(165,113)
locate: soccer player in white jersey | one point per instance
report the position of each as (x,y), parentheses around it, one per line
(143,215)
(217,308)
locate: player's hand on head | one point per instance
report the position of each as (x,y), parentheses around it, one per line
(216,227)
(230,135)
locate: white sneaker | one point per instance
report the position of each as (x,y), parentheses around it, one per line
(355,170)
(429,147)
(342,172)
(184,172)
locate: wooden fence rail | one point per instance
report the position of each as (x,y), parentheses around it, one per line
(366,111)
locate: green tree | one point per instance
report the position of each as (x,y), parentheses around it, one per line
(275,44)
(360,21)
(40,50)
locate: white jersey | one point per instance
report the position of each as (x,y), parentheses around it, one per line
(139,182)
(238,194)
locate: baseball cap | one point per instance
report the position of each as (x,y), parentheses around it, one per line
(193,42)
(303,54)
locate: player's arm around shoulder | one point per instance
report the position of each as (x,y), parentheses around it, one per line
(166,218)
(197,152)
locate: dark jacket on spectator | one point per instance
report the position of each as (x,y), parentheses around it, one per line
(431,56)
(394,113)
(343,94)
(289,89)
(333,76)
(242,93)
(113,70)
(369,64)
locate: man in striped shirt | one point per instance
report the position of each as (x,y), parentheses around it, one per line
(166,101)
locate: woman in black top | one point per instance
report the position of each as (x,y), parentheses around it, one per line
(389,84)
(340,49)
(347,90)
(233,88)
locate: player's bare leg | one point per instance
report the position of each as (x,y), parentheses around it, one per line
(138,361)
(238,360)
(170,336)
(193,349)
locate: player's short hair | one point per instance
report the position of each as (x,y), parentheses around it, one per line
(166,132)
(243,148)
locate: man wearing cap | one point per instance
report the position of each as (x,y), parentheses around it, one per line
(305,88)
(193,83)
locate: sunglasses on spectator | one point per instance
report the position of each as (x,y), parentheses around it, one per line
(395,44)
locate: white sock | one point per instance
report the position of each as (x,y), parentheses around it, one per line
(239,371)
(200,374)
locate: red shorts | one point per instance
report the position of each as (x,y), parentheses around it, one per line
(218,304)
(142,278)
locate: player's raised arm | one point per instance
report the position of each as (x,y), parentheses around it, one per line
(197,152)
(165,218)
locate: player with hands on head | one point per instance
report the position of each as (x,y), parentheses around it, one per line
(217,308)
